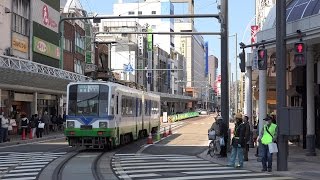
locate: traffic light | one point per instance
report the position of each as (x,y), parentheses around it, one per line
(242,63)
(299,54)
(262,59)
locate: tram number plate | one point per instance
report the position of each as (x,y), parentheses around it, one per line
(86,127)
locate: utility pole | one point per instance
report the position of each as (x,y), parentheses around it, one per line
(281,62)
(236,92)
(224,63)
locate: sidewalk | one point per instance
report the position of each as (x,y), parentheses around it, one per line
(16,139)
(299,165)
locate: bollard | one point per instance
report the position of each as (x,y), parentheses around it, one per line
(30,134)
(165,132)
(23,134)
(150,139)
(170,131)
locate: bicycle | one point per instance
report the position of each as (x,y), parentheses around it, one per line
(214,146)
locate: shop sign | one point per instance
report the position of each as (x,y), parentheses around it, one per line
(45,15)
(43,47)
(20,42)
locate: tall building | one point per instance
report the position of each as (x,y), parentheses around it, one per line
(151,7)
(213,68)
(30,55)
(263,8)
(193,48)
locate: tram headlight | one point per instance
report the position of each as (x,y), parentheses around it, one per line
(103,124)
(70,124)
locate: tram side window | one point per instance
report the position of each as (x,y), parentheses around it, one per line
(127,106)
(72,100)
(155,107)
(147,108)
(117,105)
(139,107)
(103,100)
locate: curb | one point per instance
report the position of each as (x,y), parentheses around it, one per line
(31,140)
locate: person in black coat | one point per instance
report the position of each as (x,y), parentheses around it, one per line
(40,127)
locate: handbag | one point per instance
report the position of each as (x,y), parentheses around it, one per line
(41,125)
(222,143)
(212,134)
(273,148)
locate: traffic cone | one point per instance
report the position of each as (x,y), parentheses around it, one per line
(23,134)
(170,131)
(165,132)
(30,135)
(150,139)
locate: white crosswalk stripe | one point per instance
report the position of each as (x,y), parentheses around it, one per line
(178,167)
(24,166)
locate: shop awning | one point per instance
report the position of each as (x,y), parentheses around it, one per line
(27,76)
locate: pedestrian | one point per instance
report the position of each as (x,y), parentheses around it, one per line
(1,136)
(46,120)
(255,134)
(238,142)
(24,122)
(247,138)
(32,123)
(216,128)
(4,128)
(268,135)
(40,127)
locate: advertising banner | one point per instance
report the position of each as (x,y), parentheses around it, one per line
(45,15)
(43,47)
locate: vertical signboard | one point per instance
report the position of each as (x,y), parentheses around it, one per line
(254,30)
(206,58)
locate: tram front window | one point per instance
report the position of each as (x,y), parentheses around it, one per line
(84,100)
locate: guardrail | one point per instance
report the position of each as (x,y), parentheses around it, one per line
(179,117)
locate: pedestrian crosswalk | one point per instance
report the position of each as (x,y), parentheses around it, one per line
(178,167)
(24,166)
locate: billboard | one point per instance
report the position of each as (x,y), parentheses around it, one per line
(45,15)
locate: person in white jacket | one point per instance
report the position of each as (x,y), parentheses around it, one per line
(4,126)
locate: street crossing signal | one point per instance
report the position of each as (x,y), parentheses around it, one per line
(262,59)
(242,63)
(299,54)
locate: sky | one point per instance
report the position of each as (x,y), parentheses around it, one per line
(241,17)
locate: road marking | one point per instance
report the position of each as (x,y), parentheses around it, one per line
(214,176)
(123,161)
(24,170)
(173,169)
(22,178)
(191,159)
(21,174)
(150,157)
(140,175)
(160,163)
(267,178)
(167,166)
(216,172)
(26,167)
(6,165)
(36,163)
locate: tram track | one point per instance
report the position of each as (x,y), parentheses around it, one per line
(59,170)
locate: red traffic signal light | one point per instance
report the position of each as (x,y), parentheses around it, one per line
(262,59)
(299,47)
(299,54)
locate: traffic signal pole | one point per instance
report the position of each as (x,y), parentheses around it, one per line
(281,62)
(224,64)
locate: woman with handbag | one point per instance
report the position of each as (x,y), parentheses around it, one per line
(40,126)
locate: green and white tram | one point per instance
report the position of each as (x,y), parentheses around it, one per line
(106,114)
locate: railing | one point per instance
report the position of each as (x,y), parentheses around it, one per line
(33,67)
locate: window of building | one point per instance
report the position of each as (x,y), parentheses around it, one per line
(80,43)
(68,45)
(131,12)
(139,12)
(20,14)
(78,67)
(153,12)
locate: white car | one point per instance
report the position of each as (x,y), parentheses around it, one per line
(204,112)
